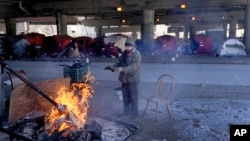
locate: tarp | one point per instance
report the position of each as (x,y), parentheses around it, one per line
(35,38)
(112,45)
(117,39)
(62,41)
(232,47)
(86,45)
(202,44)
(166,44)
(19,47)
(56,43)
(16,45)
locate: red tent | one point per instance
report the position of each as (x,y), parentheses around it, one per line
(35,38)
(204,44)
(84,41)
(167,43)
(85,44)
(62,40)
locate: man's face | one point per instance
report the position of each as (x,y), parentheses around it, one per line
(128,48)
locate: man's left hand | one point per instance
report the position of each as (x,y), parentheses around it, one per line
(119,69)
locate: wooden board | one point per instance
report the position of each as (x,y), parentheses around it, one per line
(25,100)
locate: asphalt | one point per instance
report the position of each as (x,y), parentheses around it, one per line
(188,100)
(167,58)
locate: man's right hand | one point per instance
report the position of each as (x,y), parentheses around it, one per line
(109,68)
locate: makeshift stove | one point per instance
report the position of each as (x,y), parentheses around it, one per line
(38,117)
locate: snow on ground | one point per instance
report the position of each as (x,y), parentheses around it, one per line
(205,119)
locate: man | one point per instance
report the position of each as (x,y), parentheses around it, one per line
(128,66)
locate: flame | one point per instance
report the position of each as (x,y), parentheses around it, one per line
(75,99)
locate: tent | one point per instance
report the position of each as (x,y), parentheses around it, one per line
(35,38)
(87,45)
(112,45)
(166,44)
(55,43)
(232,47)
(202,44)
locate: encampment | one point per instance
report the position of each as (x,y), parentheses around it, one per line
(232,47)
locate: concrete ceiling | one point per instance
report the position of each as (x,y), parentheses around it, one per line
(103,11)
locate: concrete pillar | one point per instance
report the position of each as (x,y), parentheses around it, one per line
(61,22)
(186,30)
(2,94)
(147,29)
(225,30)
(10,25)
(177,34)
(134,35)
(98,30)
(247,29)
(2,27)
(192,29)
(232,29)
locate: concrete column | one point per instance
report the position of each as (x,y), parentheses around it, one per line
(232,29)
(2,27)
(192,29)
(10,26)
(61,22)
(2,94)
(247,29)
(225,30)
(177,34)
(147,29)
(186,29)
(134,35)
(98,30)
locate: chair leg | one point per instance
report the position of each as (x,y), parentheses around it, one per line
(157,111)
(145,109)
(168,109)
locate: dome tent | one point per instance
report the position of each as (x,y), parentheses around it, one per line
(232,47)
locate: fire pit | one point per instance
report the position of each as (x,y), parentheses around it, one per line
(32,127)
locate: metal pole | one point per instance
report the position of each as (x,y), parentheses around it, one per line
(2,94)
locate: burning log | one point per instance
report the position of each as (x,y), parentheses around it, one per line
(32,128)
(91,131)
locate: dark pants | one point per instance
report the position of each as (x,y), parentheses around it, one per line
(130,98)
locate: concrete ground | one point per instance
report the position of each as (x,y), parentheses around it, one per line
(200,112)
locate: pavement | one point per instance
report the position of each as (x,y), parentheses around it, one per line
(200,111)
(168,58)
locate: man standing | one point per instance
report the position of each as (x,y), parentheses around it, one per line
(128,66)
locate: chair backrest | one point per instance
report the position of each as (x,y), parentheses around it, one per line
(165,84)
(15,81)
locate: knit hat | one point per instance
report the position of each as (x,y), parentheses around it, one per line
(130,42)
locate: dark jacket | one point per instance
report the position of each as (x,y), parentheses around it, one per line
(131,66)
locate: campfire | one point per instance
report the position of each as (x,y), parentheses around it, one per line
(57,110)
(52,123)
(35,118)
(75,100)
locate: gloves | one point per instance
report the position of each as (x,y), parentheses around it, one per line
(109,68)
(119,69)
